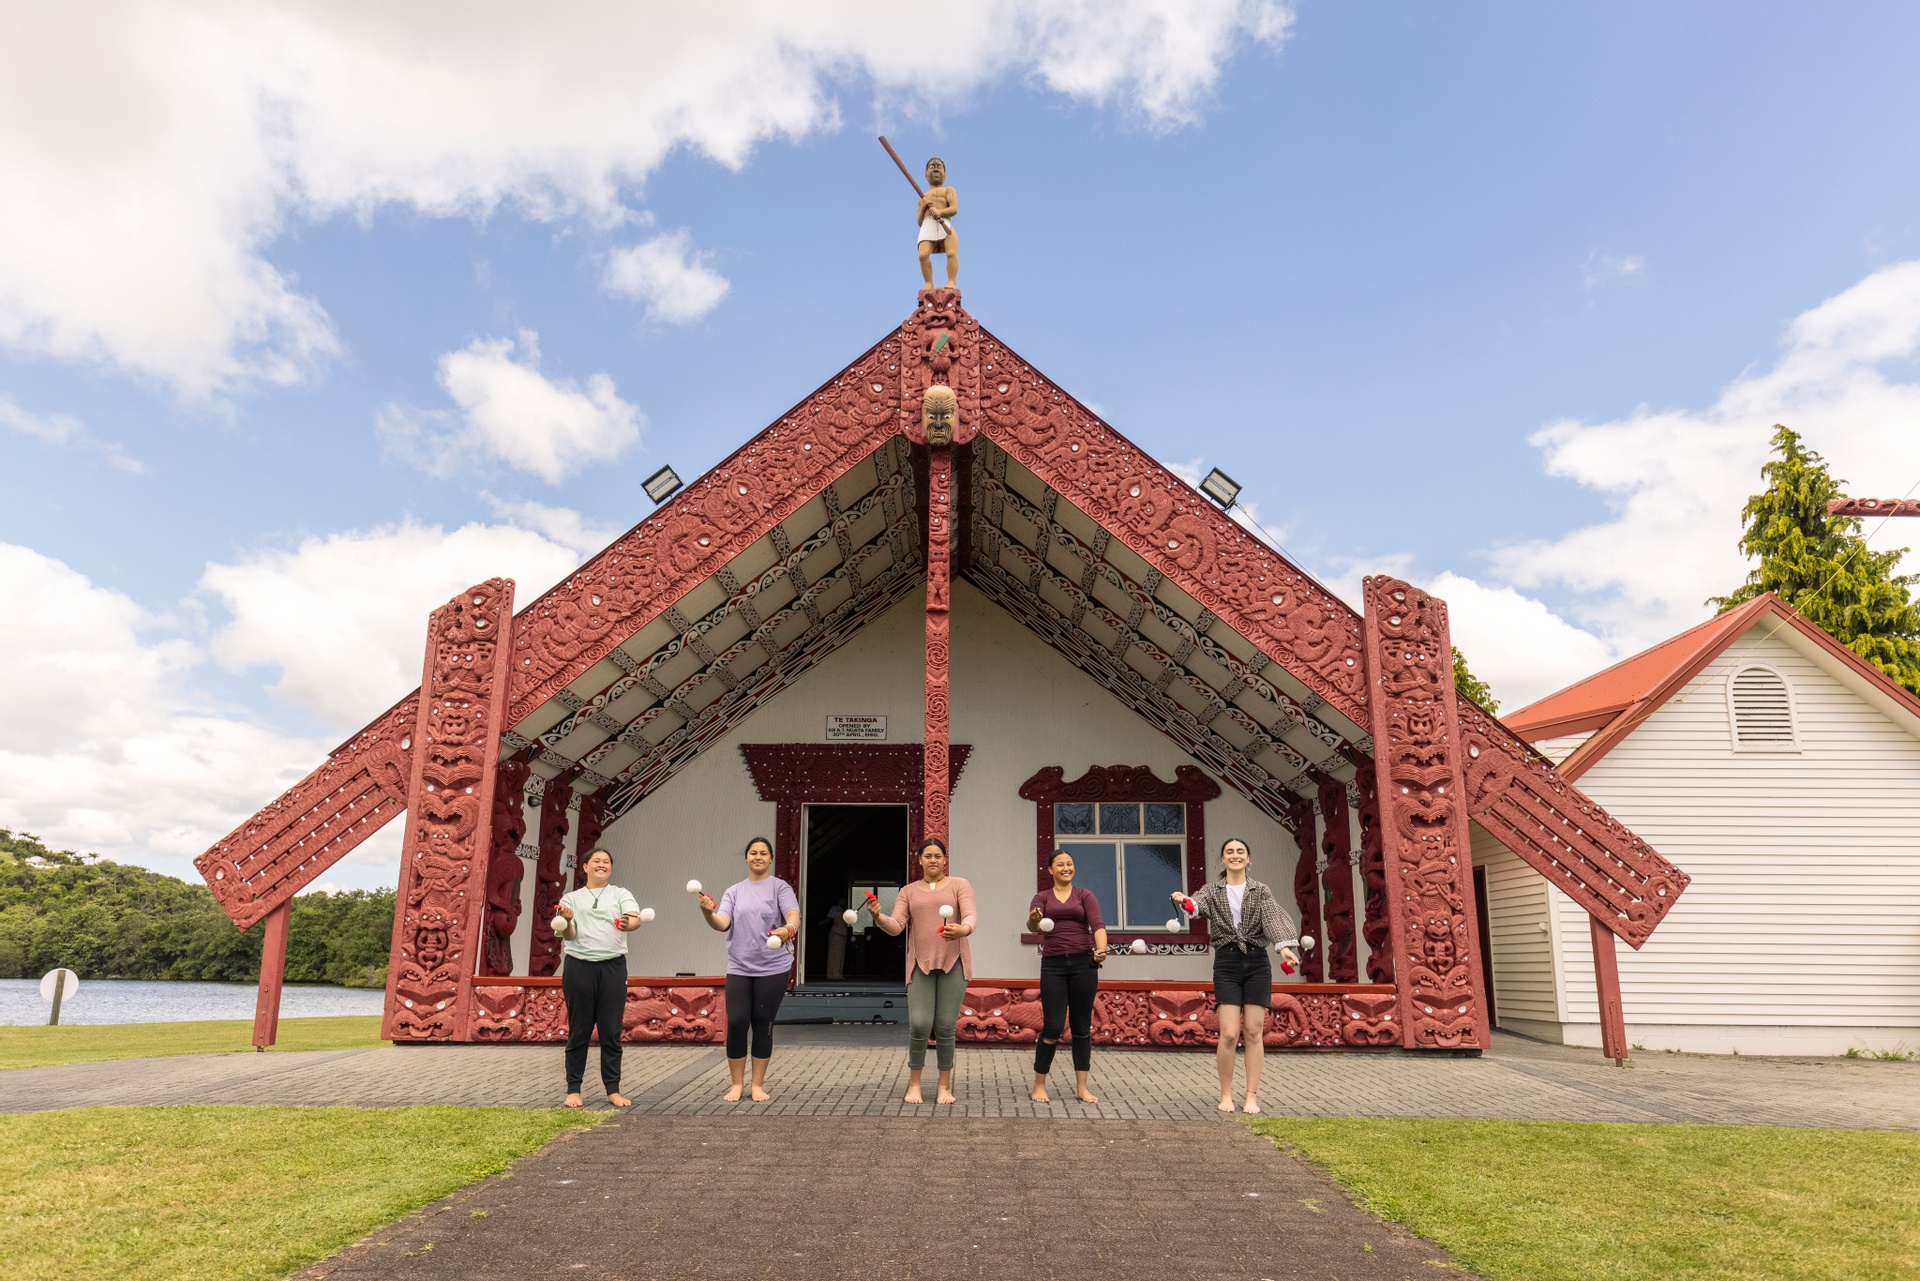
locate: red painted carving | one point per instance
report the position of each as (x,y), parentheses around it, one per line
(1373,873)
(1873,507)
(588,824)
(1306,890)
(1336,883)
(505,872)
(1191,786)
(1182,1019)
(940,343)
(275,854)
(794,775)
(683,1011)
(939,571)
(1182,1015)
(1000,1015)
(1422,785)
(437,921)
(549,879)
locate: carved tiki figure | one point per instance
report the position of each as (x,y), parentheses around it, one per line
(939,414)
(935,213)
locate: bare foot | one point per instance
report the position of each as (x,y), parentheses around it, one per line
(1040,1095)
(913,1094)
(574,1101)
(1252,1104)
(1088,1096)
(620,1100)
(733,1094)
(944,1096)
(760,1095)
(1226,1103)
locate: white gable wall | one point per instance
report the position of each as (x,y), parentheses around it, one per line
(1019,704)
(1800,933)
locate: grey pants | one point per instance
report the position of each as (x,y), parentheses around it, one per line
(933,1005)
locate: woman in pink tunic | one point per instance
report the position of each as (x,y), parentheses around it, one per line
(938,961)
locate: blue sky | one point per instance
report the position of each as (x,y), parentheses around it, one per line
(306,320)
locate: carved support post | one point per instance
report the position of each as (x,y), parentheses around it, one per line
(1306,891)
(588,826)
(273,976)
(504,869)
(1336,883)
(438,918)
(1373,873)
(939,575)
(1420,769)
(549,879)
(1606,979)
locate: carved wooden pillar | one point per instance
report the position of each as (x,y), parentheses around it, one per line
(549,879)
(588,825)
(273,977)
(1336,882)
(504,869)
(1606,980)
(1421,774)
(939,577)
(1373,874)
(1306,890)
(438,918)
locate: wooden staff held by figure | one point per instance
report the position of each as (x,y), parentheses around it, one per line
(937,205)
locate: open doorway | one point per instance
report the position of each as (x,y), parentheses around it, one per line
(849,847)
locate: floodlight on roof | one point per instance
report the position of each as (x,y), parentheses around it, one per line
(662,485)
(1220,487)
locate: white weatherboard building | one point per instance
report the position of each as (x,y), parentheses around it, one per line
(1783,772)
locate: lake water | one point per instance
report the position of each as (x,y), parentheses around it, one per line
(133,1001)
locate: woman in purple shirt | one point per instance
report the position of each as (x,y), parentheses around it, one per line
(1073,943)
(752,911)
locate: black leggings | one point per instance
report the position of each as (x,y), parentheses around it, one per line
(1067,985)
(752,1001)
(596,994)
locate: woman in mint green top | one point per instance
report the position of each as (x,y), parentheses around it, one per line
(592,924)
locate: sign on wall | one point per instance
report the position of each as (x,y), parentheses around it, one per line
(856,729)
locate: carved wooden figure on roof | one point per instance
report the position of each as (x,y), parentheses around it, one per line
(934,212)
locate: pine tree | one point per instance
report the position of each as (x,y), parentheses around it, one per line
(1822,567)
(1472,687)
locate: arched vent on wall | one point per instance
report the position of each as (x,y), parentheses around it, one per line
(1762,709)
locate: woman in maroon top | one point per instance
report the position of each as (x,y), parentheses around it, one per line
(1073,943)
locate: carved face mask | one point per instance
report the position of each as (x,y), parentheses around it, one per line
(939,414)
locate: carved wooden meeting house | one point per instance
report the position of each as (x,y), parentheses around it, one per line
(941,596)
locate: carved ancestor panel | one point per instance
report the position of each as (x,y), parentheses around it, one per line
(505,872)
(1373,874)
(437,919)
(588,826)
(939,631)
(1185,1016)
(1336,884)
(1562,833)
(1421,779)
(280,850)
(549,878)
(688,1013)
(1306,891)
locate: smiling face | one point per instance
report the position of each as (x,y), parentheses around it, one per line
(599,868)
(1062,868)
(1235,856)
(759,859)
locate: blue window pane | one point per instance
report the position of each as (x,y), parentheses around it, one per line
(1096,869)
(1119,820)
(1166,820)
(1073,820)
(1153,872)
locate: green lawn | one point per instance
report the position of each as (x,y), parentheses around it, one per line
(1563,1201)
(82,1043)
(178,1194)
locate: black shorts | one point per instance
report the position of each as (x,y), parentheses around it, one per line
(1242,977)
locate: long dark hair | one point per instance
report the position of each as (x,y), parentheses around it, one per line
(1232,840)
(934,841)
(758,840)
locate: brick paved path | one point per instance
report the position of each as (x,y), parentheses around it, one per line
(856,1071)
(820,1197)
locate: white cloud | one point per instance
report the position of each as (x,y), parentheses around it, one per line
(510,411)
(669,275)
(61,430)
(561,525)
(1677,478)
(342,618)
(1600,268)
(153,151)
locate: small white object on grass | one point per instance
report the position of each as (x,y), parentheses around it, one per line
(774,941)
(693,887)
(646,914)
(1138,947)
(1046,925)
(558,924)
(850,916)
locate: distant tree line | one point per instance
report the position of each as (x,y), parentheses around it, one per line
(106,920)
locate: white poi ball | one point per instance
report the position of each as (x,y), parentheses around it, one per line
(646,914)
(558,924)
(1139,947)
(850,916)
(1173,923)
(1046,925)
(773,941)
(946,910)
(693,887)
(1306,941)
